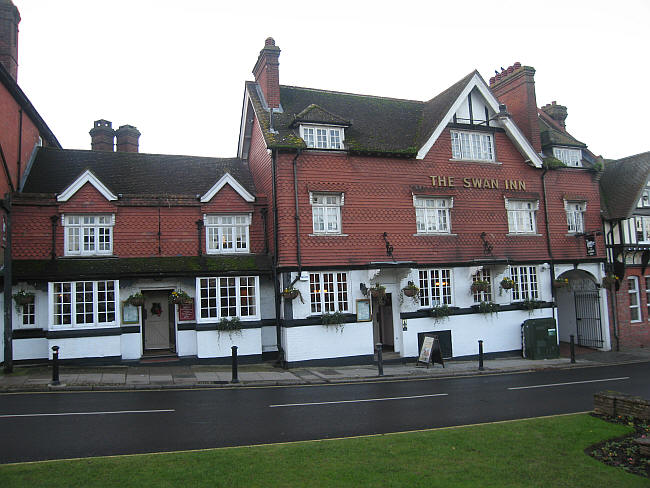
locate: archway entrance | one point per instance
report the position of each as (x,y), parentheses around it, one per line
(578,310)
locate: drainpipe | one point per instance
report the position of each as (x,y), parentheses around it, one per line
(276,283)
(548,241)
(297,218)
(20,146)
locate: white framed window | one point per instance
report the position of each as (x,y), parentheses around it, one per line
(482,296)
(522,216)
(227,233)
(472,146)
(435,287)
(328,292)
(27,314)
(228,297)
(635,299)
(322,137)
(570,157)
(642,224)
(432,215)
(644,201)
(326,212)
(88,235)
(575,216)
(83,303)
(525,287)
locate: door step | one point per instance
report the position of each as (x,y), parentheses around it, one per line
(158,357)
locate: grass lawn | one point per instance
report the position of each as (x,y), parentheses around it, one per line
(545,452)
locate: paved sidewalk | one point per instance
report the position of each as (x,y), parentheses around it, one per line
(174,375)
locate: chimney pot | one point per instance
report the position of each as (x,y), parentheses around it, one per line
(556,112)
(492,80)
(517,65)
(510,69)
(127,138)
(269,41)
(102,136)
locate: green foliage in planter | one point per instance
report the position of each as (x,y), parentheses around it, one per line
(23,297)
(530,304)
(441,311)
(136,299)
(335,319)
(480,285)
(229,325)
(179,296)
(486,307)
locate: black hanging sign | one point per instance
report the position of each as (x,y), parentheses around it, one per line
(590,243)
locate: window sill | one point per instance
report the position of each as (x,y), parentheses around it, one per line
(523,234)
(213,253)
(82,327)
(67,256)
(475,161)
(434,234)
(328,235)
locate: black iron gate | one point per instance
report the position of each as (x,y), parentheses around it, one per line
(590,333)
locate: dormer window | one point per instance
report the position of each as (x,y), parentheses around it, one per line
(472,146)
(322,137)
(570,157)
(644,201)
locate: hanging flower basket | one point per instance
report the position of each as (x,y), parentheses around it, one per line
(480,286)
(560,283)
(377,291)
(179,297)
(137,300)
(290,294)
(507,283)
(410,291)
(24,297)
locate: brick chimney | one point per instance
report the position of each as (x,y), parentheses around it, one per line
(9,20)
(515,87)
(267,73)
(127,138)
(556,112)
(102,136)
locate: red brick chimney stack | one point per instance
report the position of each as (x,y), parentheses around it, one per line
(127,138)
(515,86)
(102,136)
(556,112)
(9,20)
(267,73)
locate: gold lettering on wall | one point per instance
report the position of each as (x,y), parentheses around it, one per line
(482,183)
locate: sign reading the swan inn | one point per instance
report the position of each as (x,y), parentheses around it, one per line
(470,182)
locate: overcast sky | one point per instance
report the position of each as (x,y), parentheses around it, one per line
(176,69)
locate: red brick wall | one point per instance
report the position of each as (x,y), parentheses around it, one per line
(378,198)
(260,164)
(632,334)
(9,135)
(135,233)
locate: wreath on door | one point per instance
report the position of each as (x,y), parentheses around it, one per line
(156,309)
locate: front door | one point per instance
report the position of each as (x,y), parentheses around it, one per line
(382,318)
(156,320)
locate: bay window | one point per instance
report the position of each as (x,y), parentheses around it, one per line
(83,303)
(228,297)
(328,292)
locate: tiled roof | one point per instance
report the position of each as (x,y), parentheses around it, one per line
(133,173)
(622,183)
(376,124)
(553,135)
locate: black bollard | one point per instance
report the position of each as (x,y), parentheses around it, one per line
(572,347)
(234,365)
(55,366)
(480,355)
(380,359)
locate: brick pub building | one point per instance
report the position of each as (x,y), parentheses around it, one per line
(309,242)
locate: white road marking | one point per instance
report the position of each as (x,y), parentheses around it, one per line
(569,383)
(82,413)
(359,401)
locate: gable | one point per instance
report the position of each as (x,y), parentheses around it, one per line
(227,179)
(87,177)
(481,97)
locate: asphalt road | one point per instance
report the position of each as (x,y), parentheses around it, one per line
(69,424)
